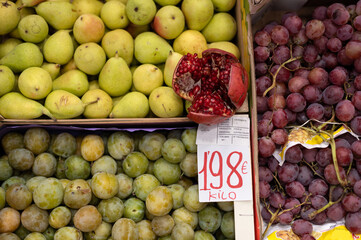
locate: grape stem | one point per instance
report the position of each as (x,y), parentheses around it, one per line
(334,157)
(274,76)
(279,212)
(329,204)
(313,170)
(278,183)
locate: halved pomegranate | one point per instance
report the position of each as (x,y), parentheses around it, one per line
(215,83)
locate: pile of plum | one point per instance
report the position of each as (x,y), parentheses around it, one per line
(308,76)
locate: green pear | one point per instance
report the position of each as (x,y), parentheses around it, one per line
(140,12)
(170,65)
(73,81)
(147,77)
(197,13)
(59,14)
(116,100)
(23,56)
(151,48)
(135,30)
(30,3)
(69,66)
(226,46)
(165,103)
(169,22)
(7,45)
(98,104)
(24,9)
(122,1)
(64,105)
(59,47)
(35,83)
(167,2)
(94,84)
(190,41)
(215,32)
(119,42)
(90,58)
(9,16)
(115,78)
(14,105)
(88,28)
(33,28)
(52,68)
(223,5)
(131,105)
(7,80)
(113,15)
(88,6)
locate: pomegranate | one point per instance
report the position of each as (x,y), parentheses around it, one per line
(215,83)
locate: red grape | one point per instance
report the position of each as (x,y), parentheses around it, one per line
(318,187)
(314,28)
(297,83)
(330,174)
(264,189)
(285,218)
(281,54)
(279,35)
(261,54)
(312,94)
(332,95)
(357,188)
(279,136)
(296,102)
(292,203)
(277,199)
(318,201)
(324,157)
(336,212)
(309,155)
(301,227)
(344,156)
(344,32)
(351,202)
(262,38)
(315,111)
(262,83)
(356,148)
(320,13)
(276,101)
(288,172)
(295,189)
(345,110)
(353,222)
(266,146)
(293,24)
(318,77)
(294,154)
(334,44)
(355,125)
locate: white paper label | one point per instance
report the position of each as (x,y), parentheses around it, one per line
(224,162)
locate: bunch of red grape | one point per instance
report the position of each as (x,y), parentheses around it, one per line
(308,72)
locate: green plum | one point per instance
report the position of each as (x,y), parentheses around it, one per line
(111,209)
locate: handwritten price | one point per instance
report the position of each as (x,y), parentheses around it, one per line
(215,158)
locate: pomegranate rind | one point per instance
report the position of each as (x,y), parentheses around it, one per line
(207,119)
(238,86)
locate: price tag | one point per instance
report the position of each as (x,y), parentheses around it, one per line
(224,166)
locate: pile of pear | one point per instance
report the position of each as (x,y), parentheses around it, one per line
(67,59)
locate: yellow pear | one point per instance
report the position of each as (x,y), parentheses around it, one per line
(197,13)
(33,28)
(52,68)
(88,6)
(64,105)
(90,58)
(165,103)
(215,32)
(7,80)
(73,81)
(98,104)
(35,83)
(9,16)
(14,105)
(190,41)
(119,42)
(131,105)
(147,77)
(115,78)
(7,45)
(59,47)
(113,15)
(141,12)
(88,28)
(170,65)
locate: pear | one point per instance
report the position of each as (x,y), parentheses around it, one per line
(119,42)
(7,80)
(169,22)
(223,5)
(98,104)
(23,56)
(94,84)
(131,105)
(88,6)
(7,45)
(30,3)
(69,66)
(140,12)
(147,77)
(35,83)
(59,47)
(33,28)
(113,15)
(90,58)
(135,29)
(190,41)
(165,103)
(64,105)
(226,46)
(170,65)
(52,68)
(122,1)
(73,81)
(14,105)
(9,16)
(59,14)
(88,28)
(215,32)
(151,48)
(25,7)
(167,2)
(197,13)
(115,78)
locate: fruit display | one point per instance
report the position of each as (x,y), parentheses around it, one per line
(117,59)
(64,183)
(308,77)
